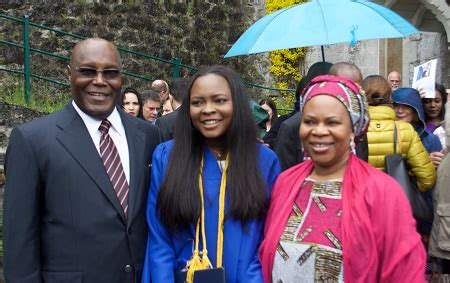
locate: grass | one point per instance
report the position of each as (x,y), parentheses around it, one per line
(43,97)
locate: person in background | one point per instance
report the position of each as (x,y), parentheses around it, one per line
(347,70)
(72,213)
(151,105)
(435,112)
(212,168)
(260,117)
(162,88)
(166,124)
(380,135)
(409,108)
(318,68)
(435,108)
(394,79)
(439,239)
(130,101)
(271,109)
(335,218)
(167,107)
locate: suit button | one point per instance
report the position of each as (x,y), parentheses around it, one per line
(129,231)
(128,268)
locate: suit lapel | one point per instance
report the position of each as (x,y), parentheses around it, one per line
(136,151)
(75,138)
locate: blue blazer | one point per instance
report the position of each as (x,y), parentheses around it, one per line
(168,253)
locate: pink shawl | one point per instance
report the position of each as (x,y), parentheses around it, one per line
(379,238)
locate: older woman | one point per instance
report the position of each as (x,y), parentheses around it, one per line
(335,218)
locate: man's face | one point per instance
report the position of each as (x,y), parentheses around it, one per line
(150,110)
(95,78)
(394,80)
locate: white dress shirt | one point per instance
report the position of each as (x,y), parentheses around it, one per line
(117,133)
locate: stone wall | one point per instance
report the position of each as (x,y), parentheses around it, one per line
(372,56)
(10,117)
(199,34)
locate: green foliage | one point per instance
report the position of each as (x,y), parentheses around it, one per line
(285,63)
(190,9)
(43,97)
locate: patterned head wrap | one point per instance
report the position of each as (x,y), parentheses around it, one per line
(347,92)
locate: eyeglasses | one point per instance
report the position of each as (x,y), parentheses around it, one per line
(92,73)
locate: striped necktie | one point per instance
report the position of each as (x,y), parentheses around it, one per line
(113,165)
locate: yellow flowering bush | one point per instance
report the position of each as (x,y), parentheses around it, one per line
(284,63)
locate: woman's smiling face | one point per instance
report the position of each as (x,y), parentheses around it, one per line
(433,106)
(326,131)
(211,106)
(405,113)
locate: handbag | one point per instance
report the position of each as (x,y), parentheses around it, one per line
(200,270)
(395,166)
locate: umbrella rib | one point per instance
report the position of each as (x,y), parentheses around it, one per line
(323,19)
(283,11)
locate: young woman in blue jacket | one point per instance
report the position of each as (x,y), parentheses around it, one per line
(212,177)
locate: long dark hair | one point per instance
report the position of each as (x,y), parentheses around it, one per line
(138,95)
(272,106)
(178,199)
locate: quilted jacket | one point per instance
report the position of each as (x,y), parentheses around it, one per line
(380,138)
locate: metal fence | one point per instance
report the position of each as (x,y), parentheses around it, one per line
(175,63)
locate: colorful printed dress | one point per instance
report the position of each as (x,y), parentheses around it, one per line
(310,248)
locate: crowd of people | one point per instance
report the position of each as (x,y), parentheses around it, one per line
(192,180)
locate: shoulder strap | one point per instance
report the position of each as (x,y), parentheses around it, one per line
(397,138)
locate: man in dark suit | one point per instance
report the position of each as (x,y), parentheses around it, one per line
(77,182)
(166,123)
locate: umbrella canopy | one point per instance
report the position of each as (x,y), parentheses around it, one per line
(321,22)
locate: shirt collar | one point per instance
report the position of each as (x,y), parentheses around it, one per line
(93,124)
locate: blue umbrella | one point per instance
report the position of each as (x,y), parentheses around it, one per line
(321,22)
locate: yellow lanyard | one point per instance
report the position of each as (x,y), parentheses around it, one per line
(195,263)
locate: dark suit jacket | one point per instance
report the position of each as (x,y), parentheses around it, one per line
(166,125)
(288,147)
(271,137)
(62,219)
